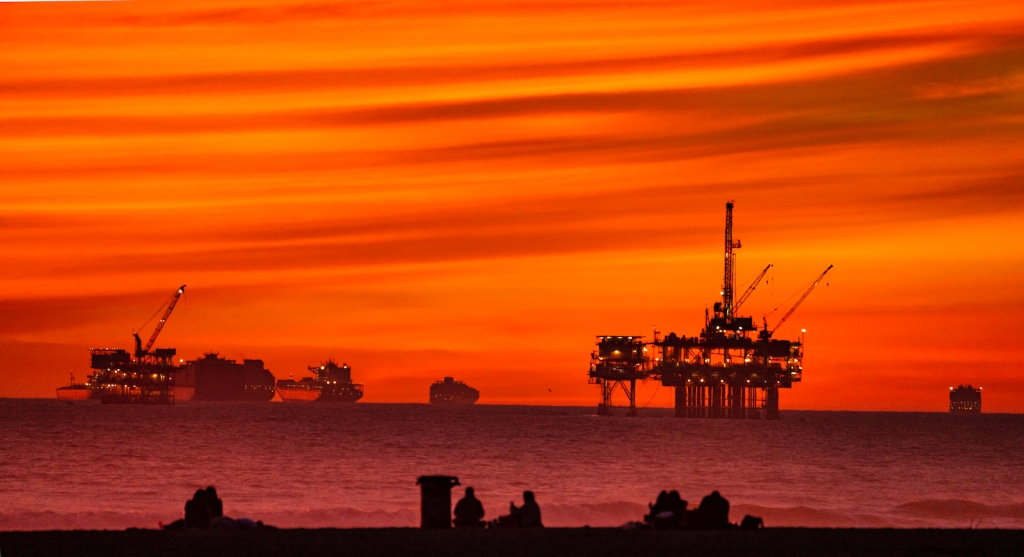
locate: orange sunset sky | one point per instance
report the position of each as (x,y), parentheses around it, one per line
(477,188)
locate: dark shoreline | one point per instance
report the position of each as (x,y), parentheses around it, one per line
(582,542)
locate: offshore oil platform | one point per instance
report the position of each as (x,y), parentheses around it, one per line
(730,370)
(148,378)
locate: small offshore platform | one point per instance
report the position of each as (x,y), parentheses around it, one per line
(965,399)
(148,378)
(730,370)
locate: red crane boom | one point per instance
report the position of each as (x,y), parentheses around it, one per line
(139,350)
(750,289)
(797,304)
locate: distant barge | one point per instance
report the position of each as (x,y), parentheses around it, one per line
(450,392)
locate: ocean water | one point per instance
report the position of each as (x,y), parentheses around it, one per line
(85,465)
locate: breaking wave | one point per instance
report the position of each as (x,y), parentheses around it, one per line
(598,514)
(337,517)
(809,517)
(962,510)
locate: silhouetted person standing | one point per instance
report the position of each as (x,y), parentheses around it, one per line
(469,512)
(197,514)
(214,503)
(527,516)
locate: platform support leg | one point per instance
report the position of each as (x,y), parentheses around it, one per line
(681,401)
(632,398)
(605,406)
(771,404)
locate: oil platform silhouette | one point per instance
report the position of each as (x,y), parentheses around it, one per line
(148,378)
(730,370)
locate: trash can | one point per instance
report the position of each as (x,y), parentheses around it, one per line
(436,500)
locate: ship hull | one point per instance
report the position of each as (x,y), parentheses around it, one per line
(297,395)
(258,393)
(326,393)
(183,394)
(457,402)
(65,393)
(339,398)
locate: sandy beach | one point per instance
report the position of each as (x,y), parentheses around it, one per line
(555,541)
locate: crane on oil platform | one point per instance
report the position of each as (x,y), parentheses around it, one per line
(766,333)
(750,289)
(140,351)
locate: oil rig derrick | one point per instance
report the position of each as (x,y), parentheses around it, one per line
(730,370)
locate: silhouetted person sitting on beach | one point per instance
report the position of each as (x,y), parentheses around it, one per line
(660,505)
(668,511)
(527,516)
(713,513)
(197,513)
(469,512)
(677,506)
(214,503)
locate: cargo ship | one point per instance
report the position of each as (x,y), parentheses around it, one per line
(330,384)
(77,391)
(450,392)
(965,399)
(218,379)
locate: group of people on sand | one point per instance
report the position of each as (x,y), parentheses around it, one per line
(206,510)
(669,512)
(469,513)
